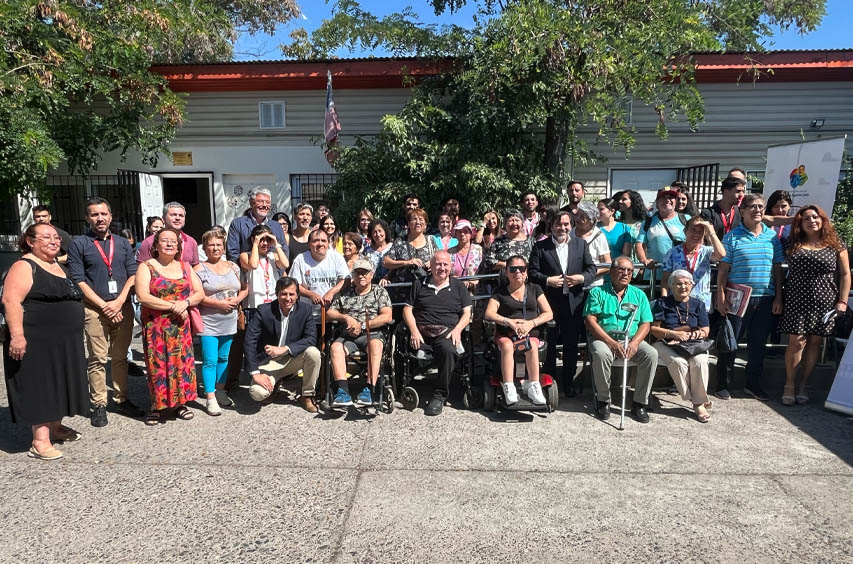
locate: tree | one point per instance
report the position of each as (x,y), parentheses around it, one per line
(75,79)
(525,77)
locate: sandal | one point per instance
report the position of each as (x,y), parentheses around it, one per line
(709,404)
(152,418)
(703,416)
(788,396)
(802,397)
(68,435)
(181,412)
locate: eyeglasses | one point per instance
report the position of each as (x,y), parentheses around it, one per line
(622,269)
(517,268)
(758,207)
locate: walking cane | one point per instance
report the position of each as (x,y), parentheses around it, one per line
(633,309)
(367,348)
(327,392)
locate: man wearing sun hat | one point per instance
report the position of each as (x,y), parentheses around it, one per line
(353,308)
(661,232)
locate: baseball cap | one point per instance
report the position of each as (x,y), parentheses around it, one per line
(462,224)
(362,264)
(667,192)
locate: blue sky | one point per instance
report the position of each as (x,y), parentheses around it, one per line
(833,33)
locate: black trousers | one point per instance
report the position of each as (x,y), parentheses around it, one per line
(568,331)
(444,353)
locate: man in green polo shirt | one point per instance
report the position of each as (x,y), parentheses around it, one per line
(605,317)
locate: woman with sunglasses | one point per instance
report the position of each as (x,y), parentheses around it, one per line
(818,283)
(517,309)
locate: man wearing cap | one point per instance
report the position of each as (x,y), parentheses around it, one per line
(360,307)
(663,231)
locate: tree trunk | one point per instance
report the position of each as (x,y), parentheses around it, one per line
(556,134)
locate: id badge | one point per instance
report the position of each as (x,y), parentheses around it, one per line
(112,287)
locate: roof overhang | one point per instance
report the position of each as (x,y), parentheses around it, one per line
(776,66)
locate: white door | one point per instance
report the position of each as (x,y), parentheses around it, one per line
(646,181)
(150,195)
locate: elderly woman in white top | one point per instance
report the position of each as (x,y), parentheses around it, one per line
(681,326)
(586,219)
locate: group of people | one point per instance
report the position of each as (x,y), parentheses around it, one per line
(259,294)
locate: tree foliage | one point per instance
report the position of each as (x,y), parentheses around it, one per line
(527,76)
(75,79)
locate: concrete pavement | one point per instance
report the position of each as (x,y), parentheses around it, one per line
(759,483)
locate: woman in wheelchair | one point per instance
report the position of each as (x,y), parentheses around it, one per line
(516,309)
(681,327)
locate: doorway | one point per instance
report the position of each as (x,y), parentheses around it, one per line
(195,193)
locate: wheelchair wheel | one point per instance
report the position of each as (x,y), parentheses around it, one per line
(409,398)
(472,398)
(553,398)
(388,400)
(489,396)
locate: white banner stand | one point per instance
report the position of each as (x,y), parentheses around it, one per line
(841,394)
(808,170)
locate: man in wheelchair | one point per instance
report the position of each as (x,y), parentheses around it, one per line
(437,310)
(358,308)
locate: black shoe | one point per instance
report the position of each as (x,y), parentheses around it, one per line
(222,398)
(134,370)
(602,410)
(757,393)
(569,389)
(99,416)
(434,407)
(125,408)
(639,412)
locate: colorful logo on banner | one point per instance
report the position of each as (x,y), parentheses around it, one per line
(798,176)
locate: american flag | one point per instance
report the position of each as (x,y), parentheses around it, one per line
(332,126)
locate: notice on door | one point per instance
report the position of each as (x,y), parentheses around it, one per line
(182,158)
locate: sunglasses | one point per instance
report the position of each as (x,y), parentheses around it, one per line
(517,268)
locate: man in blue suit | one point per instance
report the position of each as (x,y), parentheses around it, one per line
(283,337)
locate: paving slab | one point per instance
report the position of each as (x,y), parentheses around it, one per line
(139,513)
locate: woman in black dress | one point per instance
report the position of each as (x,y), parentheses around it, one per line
(43,354)
(818,283)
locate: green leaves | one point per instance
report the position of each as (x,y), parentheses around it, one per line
(74,76)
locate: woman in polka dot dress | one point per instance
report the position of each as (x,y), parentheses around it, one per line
(818,282)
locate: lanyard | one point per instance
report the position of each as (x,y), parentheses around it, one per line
(781,229)
(266,266)
(691,265)
(464,265)
(107,261)
(727,225)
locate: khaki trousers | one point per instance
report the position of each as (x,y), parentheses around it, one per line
(278,368)
(602,362)
(105,338)
(690,375)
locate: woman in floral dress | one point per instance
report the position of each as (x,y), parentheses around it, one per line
(167,288)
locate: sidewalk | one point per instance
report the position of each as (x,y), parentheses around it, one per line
(760,483)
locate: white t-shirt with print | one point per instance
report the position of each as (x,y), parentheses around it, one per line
(320,276)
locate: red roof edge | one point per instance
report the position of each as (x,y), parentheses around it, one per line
(780,66)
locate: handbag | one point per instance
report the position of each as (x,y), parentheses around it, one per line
(691,348)
(726,338)
(196,324)
(241,318)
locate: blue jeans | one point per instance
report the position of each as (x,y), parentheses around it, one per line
(214,353)
(755,324)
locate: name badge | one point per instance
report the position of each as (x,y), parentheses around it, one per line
(112,287)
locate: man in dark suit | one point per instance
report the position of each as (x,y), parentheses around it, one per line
(562,266)
(283,336)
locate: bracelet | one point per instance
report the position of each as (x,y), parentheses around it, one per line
(841,302)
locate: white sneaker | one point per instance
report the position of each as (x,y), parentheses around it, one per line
(510,394)
(213,408)
(534,392)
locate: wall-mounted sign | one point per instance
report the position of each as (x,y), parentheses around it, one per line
(182,158)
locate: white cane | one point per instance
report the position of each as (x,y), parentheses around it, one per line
(633,309)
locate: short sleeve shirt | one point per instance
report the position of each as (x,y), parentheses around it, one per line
(699,265)
(438,307)
(674,314)
(349,303)
(598,247)
(603,303)
(752,258)
(509,307)
(319,276)
(657,239)
(401,249)
(616,238)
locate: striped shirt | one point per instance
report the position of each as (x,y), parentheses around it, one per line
(752,257)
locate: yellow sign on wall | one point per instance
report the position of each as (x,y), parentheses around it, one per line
(182,158)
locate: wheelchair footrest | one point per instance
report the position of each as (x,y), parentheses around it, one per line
(523,404)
